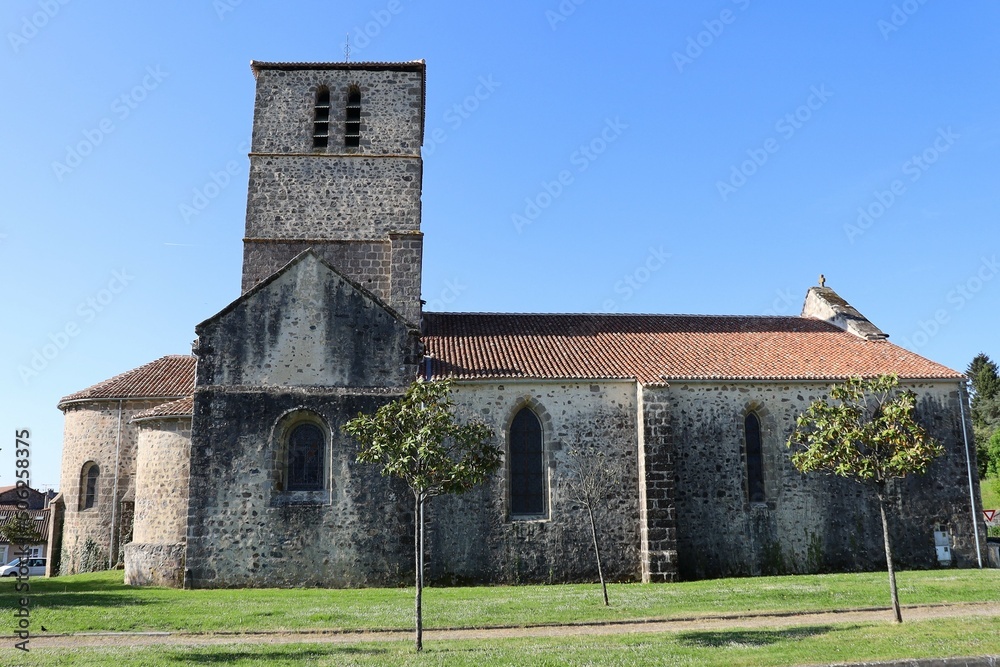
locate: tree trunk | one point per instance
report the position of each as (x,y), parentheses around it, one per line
(418,562)
(597,549)
(888,555)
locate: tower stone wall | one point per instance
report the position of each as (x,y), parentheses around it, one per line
(357,207)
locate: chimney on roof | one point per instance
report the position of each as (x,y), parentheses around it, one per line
(822,303)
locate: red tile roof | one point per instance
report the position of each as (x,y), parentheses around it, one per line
(171,376)
(40,519)
(182,407)
(657,348)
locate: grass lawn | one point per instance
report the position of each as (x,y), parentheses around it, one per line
(101,602)
(821,644)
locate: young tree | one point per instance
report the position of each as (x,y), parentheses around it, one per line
(417,439)
(868,434)
(20,530)
(590,480)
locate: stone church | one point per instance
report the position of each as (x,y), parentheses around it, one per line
(229,468)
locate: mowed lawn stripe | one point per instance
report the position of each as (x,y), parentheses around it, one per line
(101,602)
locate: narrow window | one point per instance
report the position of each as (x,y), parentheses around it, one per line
(321,119)
(755,464)
(306,449)
(352,125)
(88,495)
(527,466)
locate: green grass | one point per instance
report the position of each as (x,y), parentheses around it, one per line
(821,644)
(101,602)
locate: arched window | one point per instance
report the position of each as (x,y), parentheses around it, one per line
(88,485)
(306,453)
(755,462)
(321,119)
(527,466)
(352,124)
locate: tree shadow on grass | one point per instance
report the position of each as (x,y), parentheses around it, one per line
(55,601)
(277,654)
(750,638)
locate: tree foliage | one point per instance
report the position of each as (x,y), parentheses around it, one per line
(993,456)
(985,378)
(417,439)
(20,530)
(867,432)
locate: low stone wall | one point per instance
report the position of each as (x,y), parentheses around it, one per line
(154,565)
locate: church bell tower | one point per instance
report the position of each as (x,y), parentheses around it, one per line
(335,166)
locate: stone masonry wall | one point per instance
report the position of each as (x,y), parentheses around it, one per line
(358,207)
(244,531)
(307,345)
(388,269)
(657,488)
(407,263)
(162,469)
(391,110)
(367,263)
(91,434)
(309,327)
(471,537)
(319,197)
(809,523)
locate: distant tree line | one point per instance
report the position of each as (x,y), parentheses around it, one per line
(985,378)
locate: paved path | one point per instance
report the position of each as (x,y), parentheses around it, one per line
(720,622)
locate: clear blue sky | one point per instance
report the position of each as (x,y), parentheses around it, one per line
(664,157)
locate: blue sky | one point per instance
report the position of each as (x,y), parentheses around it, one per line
(582,156)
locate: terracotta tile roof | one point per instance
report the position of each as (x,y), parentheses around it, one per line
(657,348)
(40,518)
(182,407)
(171,376)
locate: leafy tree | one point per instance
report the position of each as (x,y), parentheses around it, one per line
(983,373)
(993,457)
(417,439)
(868,434)
(20,530)
(591,479)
